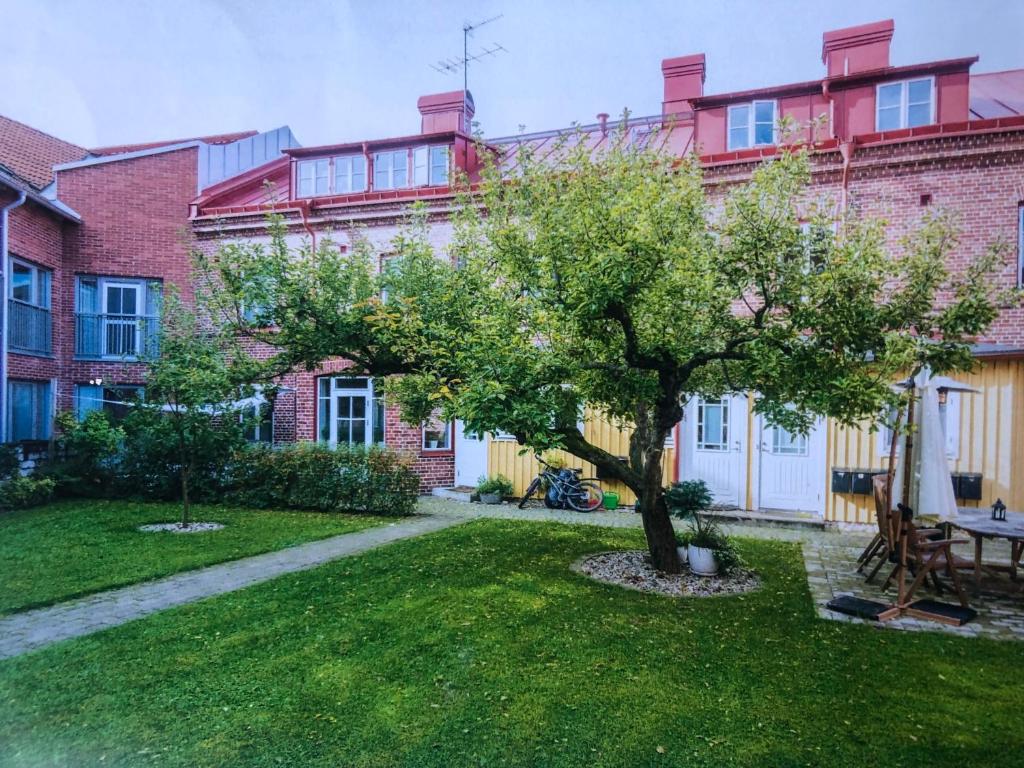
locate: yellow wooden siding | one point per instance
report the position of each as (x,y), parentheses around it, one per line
(506,457)
(991,443)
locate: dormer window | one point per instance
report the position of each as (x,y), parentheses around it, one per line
(751,124)
(430,166)
(332,175)
(391,169)
(906,104)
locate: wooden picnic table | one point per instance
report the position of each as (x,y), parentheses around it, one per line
(978,523)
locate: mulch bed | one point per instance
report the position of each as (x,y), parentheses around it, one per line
(632,569)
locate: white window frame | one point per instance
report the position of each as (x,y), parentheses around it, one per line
(435,182)
(39,301)
(337,388)
(332,166)
(752,124)
(700,439)
(440,449)
(904,102)
(391,169)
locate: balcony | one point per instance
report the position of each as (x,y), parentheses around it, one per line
(30,328)
(116,337)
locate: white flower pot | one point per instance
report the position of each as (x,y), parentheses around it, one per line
(490,498)
(702,561)
(682,552)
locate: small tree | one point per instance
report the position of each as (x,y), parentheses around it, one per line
(610,280)
(188,416)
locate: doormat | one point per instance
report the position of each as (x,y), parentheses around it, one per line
(933,610)
(861,608)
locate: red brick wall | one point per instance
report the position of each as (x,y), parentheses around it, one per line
(134,224)
(37,235)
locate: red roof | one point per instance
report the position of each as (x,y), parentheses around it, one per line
(997,94)
(220,138)
(31,154)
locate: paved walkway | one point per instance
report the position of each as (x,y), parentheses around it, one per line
(27,631)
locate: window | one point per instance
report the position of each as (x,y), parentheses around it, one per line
(115,401)
(390,264)
(30,328)
(439,166)
(259,423)
(713,425)
(349,411)
(29,410)
(116,317)
(437,435)
(391,169)
(332,175)
(751,125)
(905,104)
(786,443)
(349,174)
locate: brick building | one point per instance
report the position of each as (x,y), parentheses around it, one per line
(890,140)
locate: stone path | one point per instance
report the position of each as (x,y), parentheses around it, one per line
(27,631)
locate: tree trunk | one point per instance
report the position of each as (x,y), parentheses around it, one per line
(661,536)
(185,504)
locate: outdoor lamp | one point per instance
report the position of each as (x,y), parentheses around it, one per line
(999,510)
(943,395)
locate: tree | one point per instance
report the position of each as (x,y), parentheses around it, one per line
(612,280)
(188,423)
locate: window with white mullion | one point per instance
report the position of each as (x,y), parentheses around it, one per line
(349,174)
(905,104)
(391,169)
(751,124)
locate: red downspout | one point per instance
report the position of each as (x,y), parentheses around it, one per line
(304,206)
(845,147)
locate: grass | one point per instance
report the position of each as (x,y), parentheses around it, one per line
(69,549)
(476,646)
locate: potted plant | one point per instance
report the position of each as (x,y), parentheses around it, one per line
(686,500)
(683,539)
(493,489)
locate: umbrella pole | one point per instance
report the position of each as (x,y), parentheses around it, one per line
(908,474)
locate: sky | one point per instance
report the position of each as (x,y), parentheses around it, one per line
(102,72)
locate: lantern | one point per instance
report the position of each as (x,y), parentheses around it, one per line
(999,510)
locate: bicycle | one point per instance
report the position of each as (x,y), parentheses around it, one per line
(565,489)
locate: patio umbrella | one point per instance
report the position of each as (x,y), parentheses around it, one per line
(931,485)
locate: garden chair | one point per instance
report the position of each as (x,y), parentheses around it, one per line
(879,545)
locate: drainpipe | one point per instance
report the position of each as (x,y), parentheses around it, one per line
(4,227)
(304,206)
(845,147)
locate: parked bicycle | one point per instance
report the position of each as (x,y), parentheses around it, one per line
(565,489)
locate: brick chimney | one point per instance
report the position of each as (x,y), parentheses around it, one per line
(684,80)
(450,111)
(857,49)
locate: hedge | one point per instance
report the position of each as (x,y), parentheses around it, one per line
(308,476)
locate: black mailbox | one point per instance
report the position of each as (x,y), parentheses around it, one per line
(842,481)
(956,485)
(970,487)
(862,481)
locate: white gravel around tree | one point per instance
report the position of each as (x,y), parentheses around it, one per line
(632,569)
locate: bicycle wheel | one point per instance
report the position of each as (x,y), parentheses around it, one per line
(529,492)
(586,497)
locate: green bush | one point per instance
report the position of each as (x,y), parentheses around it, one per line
(307,476)
(19,492)
(88,455)
(500,485)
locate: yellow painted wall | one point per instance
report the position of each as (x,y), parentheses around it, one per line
(991,443)
(504,458)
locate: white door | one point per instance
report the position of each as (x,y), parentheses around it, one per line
(470,456)
(792,469)
(120,318)
(714,449)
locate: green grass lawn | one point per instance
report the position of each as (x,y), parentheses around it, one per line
(476,646)
(69,549)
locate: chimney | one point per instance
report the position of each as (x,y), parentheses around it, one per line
(857,49)
(602,120)
(684,80)
(450,111)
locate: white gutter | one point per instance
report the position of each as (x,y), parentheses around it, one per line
(4,227)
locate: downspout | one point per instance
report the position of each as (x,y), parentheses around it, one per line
(845,147)
(304,210)
(4,227)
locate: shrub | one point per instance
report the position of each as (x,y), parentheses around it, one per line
(687,500)
(10,460)
(88,455)
(19,492)
(307,476)
(500,485)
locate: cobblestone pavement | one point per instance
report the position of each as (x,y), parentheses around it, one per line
(27,631)
(830,557)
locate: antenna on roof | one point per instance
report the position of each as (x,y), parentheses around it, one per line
(451,66)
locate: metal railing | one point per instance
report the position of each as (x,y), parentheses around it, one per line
(116,336)
(30,328)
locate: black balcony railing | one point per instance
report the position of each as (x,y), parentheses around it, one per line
(116,336)
(30,328)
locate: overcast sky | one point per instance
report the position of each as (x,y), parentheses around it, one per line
(100,72)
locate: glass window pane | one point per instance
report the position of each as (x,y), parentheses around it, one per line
(438,165)
(21,282)
(764,133)
(436,435)
(738,138)
(358,407)
(379,419)
(322,170)
(306,178)
(889,119)
(919,91)
(739,116)
(764,112)
(358,435)
(400,163)
(358,173)
(324,417)
(351,382)
(419,166)
(382,170)
(919,114)
(344,408)
(342,174)
(889,95)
